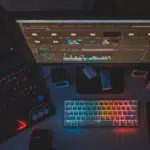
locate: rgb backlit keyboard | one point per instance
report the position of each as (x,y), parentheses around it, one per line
(80,113)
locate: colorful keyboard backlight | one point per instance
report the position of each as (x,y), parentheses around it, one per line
(80,113)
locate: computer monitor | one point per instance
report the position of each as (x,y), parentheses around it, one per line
(87,41)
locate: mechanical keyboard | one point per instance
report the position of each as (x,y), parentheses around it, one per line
(81,113)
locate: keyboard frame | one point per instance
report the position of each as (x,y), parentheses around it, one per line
(102,126)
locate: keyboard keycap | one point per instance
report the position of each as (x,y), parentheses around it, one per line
(119,112)
(113,107)
(75,113)
(80,112)
(125,103)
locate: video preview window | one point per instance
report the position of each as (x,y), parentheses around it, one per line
(111,38)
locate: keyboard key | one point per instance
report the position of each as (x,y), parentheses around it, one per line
(81,102)
(101,103)
(112,118)
(134,102)
(77,103)
(66,113)
(118,107)
(134,112)
(113,107)
(123,123)
(94,108)
(102,118)
(128,108)
(68,108)
(84,108)
(97,117)
(83,117)
(96,103)
(117,118)
(104,112)
(128,117)
(126,103)
(89,108)
(72,118)
(91,103)
(134,108)
(129,122)
(86,103)
(121,117)
(115,112)
(108,107)
(105,103)
(98,108)
(91,117)
(116,103)
(81,123)
(116,123)
(67,123)
(87,117)
(86,113)
(79,108)
(67,103)
(135,123)
(74,123)
(78,117)
(75,108)
(129,112)
(80,112)
(125,113)
(123,107)
(103,107)
(110,102)
(75,113)
(99,112)
(120,103)
(109,112)
(95,113)
(119,112)
(108,118)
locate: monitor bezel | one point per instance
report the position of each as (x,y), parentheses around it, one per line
(79,15)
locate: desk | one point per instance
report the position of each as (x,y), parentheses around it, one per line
(95,138)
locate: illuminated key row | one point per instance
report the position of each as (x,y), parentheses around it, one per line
(122,113)
(102,102)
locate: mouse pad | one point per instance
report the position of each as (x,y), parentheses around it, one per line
(96,85)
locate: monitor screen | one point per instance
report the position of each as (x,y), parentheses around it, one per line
(88,41)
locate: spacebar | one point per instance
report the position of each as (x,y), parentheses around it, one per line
(98,123)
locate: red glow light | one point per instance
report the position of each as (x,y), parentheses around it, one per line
(125,130)
(22,125)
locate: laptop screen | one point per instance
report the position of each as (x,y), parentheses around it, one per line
(87,41)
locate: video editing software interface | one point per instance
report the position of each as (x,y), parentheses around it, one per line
(87,41)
